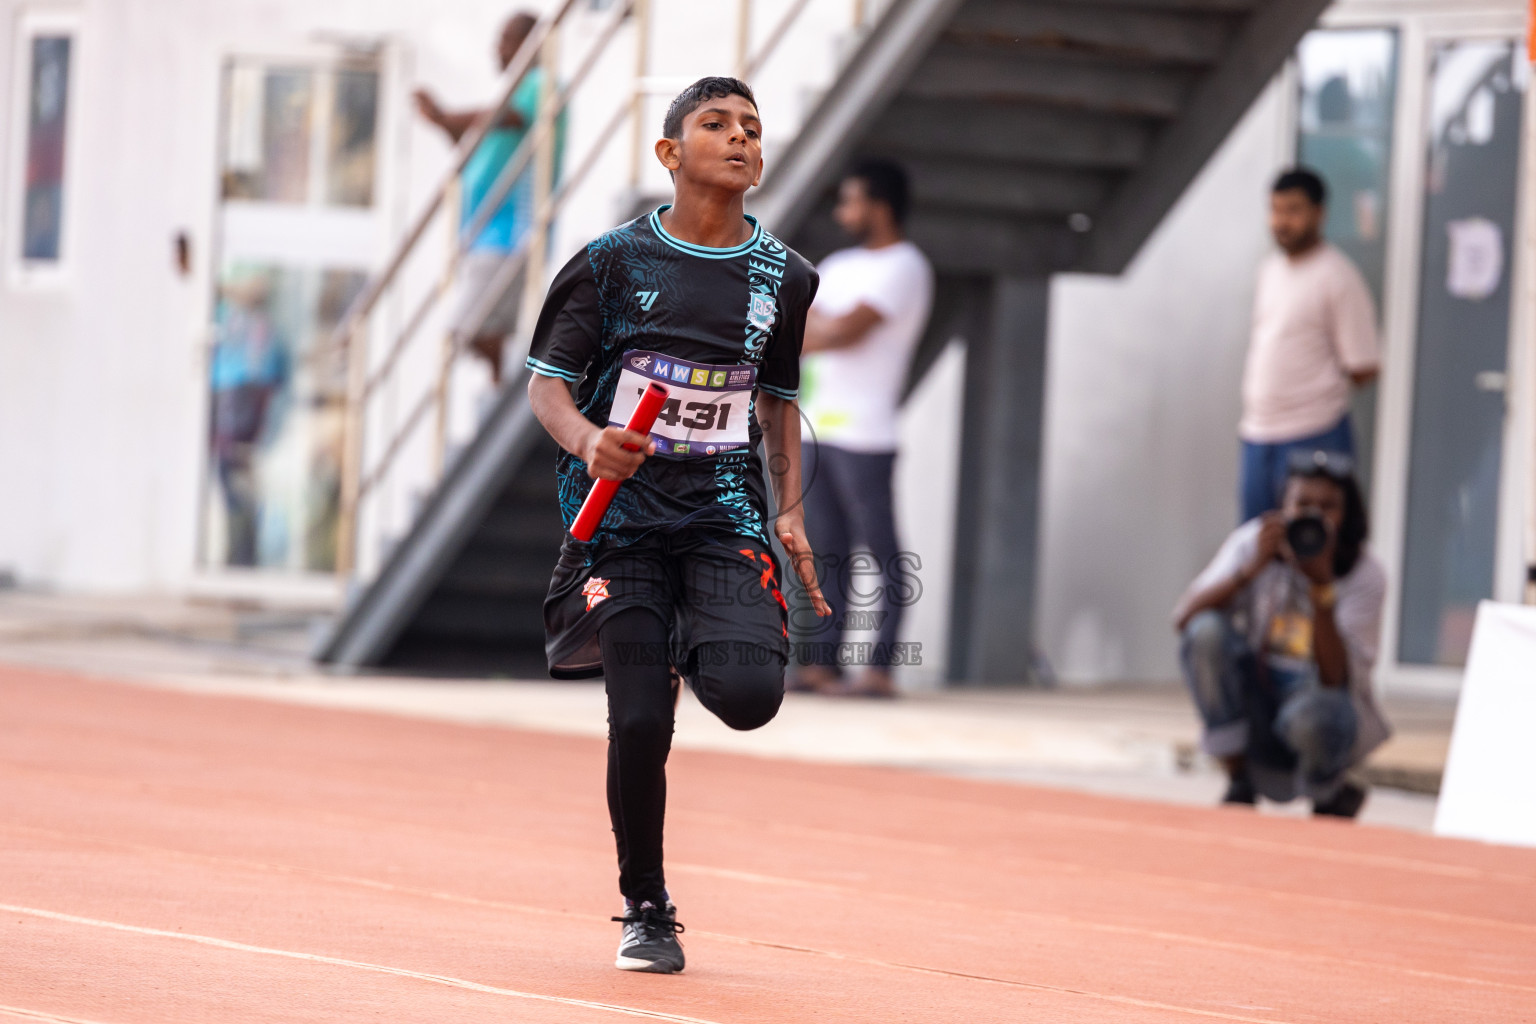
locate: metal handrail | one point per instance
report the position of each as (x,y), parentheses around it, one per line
(350,335)
(357,482)
(750,64)
(505,275)
(363,305)
(522,156)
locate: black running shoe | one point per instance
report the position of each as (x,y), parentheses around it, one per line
(1240,791)
(1346,803)
(649,942)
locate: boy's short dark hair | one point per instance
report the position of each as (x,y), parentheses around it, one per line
(1305,180)
(884,181)
(712,88)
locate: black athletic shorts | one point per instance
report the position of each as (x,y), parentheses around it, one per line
(708,587)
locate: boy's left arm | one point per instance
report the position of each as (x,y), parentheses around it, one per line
(780,420)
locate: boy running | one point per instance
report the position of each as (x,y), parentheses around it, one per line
(681,572)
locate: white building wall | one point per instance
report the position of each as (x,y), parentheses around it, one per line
(1140,478)
(102,377)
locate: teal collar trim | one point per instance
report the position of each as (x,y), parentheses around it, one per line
(703,250)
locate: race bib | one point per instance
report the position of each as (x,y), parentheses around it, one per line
(707,406)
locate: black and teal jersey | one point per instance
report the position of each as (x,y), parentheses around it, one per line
(637,288)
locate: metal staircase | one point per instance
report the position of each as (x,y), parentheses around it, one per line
(1041,137)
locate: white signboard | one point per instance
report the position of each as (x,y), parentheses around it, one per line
(1487,791)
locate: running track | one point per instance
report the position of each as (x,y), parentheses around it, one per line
(171,858)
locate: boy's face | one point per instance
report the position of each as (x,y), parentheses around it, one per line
(721,145)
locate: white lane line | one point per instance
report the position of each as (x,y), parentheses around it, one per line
(1032,865)
(1024,864)
(949,906)
(1183,835)
(360,965)
(756,878)
(48,1018)
(473,986)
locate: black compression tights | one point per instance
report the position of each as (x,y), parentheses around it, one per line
(741,693)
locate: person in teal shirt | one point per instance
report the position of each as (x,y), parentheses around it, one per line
(504,231)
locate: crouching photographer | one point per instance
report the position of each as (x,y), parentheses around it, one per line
(1280,634)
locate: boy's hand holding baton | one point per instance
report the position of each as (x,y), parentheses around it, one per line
(614,455)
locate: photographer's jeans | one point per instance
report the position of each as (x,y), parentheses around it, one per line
(1264,466)
(1296,734)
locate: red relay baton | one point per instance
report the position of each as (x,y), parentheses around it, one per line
(602,491)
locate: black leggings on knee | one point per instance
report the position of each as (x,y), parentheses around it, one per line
(730,683)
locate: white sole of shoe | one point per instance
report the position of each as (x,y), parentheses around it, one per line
(629,963)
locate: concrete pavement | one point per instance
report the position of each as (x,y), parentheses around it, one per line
(1134,740)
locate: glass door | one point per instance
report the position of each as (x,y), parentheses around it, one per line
(1348,95)
(298,230)
(1474,98)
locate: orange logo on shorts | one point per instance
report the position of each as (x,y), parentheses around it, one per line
(595,590)
(768,576)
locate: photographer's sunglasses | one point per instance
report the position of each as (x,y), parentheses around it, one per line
(1335,465)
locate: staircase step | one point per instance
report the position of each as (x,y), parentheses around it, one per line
(971,72)
(453,617)
(520,574)
(430,655)
(516,524)
(1150,35)
(980,132)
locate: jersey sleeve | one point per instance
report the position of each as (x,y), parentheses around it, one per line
(780,373)
(567,337)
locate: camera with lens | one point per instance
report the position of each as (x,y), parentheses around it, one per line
(1307,535)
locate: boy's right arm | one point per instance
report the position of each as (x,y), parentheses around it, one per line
(601,448)
(564,347)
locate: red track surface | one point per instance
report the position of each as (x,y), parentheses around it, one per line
(175,858)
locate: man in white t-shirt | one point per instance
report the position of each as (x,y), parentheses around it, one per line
(1313,342)
(869,314)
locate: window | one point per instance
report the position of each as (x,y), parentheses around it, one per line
(1348,80)
(296,235)
(278,410)
(301,134)
(1348,83)
(46,55)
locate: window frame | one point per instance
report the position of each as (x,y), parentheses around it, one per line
(20,272)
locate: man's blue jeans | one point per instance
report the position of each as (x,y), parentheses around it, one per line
(1296,734)
(1264,466)
(849,504)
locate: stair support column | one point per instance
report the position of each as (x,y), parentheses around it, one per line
(992,632)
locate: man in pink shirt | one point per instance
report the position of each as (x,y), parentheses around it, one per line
(1314,341)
